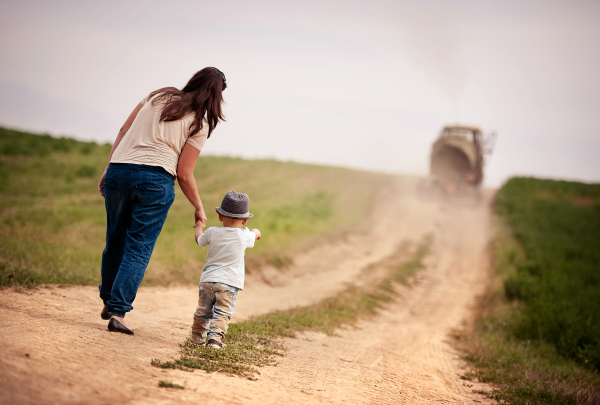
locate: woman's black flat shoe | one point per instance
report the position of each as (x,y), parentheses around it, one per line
(105,314)
(116,326)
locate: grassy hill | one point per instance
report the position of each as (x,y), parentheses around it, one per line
(558,282)
(53,220)
(539,338)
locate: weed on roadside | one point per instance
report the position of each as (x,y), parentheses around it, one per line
(257,341)
(244,352)
(168,384)
(525,372)
(11,276)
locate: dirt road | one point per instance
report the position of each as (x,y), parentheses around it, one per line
(54,348)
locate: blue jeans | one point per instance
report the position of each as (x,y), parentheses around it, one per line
(137,200)
(216,305)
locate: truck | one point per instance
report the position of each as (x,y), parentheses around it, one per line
(458,157)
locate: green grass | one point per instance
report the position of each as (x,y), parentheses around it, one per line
(538,336)
(168,384)
(558,225)
(11,276)
(53,221)
(257,341)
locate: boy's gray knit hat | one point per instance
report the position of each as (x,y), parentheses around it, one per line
(235,205)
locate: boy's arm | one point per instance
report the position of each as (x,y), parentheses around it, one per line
(198,229)
(256,232)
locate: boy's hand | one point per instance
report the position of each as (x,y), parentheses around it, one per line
(256,232)
(199,224)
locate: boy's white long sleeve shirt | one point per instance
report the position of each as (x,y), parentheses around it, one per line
(225,256)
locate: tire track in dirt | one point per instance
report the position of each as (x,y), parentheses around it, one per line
(401,356)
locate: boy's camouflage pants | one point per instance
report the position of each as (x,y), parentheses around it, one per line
(216,304)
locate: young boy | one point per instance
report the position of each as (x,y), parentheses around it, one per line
(223,273)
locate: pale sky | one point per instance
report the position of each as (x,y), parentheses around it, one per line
(346,83)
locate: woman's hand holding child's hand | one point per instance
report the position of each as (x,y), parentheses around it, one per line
(199,215)
(198,226)
(257,233)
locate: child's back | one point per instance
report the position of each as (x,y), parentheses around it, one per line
(225,256)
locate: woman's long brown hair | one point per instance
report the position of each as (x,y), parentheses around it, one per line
(202,95)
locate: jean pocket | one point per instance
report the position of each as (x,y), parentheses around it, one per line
(151,184)
(151,187)
(112,179)
(150,181)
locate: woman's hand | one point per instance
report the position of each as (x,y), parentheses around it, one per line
(199,215)
(101,183)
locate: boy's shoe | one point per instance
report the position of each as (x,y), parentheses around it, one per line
(203,344)
(215,344)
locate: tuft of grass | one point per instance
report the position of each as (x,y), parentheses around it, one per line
(53,219)
(244,352)
(281,262)
(531,374)
(11,276)
(168,384)
(257,341)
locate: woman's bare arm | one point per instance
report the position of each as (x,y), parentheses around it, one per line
(187,182)
(120,136)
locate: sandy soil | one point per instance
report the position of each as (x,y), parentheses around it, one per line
(55,349)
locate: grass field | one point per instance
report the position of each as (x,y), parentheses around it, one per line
(53,219)
(539,336)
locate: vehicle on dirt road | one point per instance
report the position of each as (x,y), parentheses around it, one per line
(457,160)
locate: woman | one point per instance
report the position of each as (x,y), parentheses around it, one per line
(160,141)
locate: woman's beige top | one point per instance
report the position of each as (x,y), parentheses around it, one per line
(154,143)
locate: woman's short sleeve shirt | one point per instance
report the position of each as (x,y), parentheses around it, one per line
(154,143)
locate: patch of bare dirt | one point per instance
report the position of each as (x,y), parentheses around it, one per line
(585,201)
(55,349)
